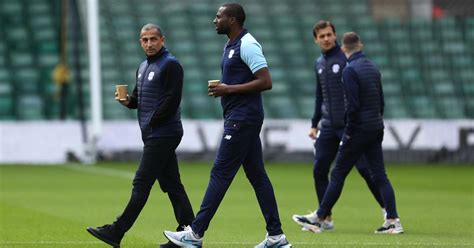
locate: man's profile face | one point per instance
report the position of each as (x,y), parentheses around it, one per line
(151,41)
(325,38)
(222,21)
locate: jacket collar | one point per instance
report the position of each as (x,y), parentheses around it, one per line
(157,56)
(336,49)
(355,56)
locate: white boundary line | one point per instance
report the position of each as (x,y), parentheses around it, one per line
(244,243)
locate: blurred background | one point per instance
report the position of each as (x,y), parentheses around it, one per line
(422,47)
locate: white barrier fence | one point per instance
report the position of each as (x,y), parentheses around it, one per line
(40,142)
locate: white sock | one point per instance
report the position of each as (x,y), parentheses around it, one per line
(275,237)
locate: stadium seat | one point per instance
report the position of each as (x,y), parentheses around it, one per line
(450,107)
(395,108)
(30,107)
(306,105)
(422,107)
(281,107)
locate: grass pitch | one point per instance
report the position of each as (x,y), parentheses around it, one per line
(50,206)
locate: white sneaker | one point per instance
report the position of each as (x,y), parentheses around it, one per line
(274,242)
(309,222)
(391,226)
(185,238)
(327,224)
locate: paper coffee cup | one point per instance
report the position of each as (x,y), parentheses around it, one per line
(122,91)
(213,82)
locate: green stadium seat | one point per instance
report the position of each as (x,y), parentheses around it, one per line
(4,76)
(381,61)
(412,81)
(6,106)
(443,87)
(421,30)
(280,88)
(469,106)
(21,59)
(334,8)
(27,80)
(468,88)
(454,47)
(466,76)
(303,82)
(450,107)
(5,89)
(448,28)
(375,48)
(30,107)
(391,88)
(358,8)
(423,107)
(433,61)
(429,48)
(204,107)
(48,60)
(280,107)
(395,108)
(407,61)
(306,106)
(461,61)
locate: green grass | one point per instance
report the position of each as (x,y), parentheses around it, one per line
(50,206)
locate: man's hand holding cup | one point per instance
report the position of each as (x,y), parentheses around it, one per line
(121,94)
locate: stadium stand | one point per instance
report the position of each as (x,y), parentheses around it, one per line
(427,66)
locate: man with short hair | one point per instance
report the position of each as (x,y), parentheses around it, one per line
(157,96)
(363,133)
(244,75)
(329,115)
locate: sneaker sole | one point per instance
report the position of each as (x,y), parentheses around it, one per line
(179,243)
(390,231)
(95,234)
(306,226)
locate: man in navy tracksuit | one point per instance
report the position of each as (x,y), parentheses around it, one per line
(244,75)
(157,96)
(363,133)
(329,113)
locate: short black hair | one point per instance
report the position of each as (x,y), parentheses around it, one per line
(235,10)
(321,25)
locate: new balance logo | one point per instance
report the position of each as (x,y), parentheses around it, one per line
(228,137)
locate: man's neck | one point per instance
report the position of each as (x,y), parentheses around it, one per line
(234,33)
(349,54)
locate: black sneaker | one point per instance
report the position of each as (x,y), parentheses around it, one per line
(169,245)
(108,234)
(391,227)
(309,222)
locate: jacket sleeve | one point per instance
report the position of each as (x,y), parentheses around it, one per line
(173,81)
(382,99)
(133,104)
(319,101)
(351,86)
